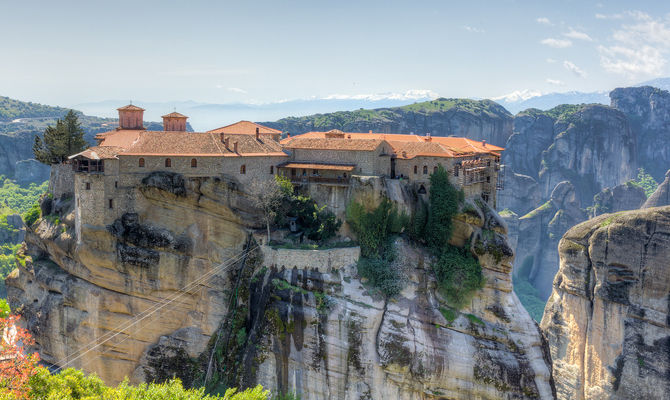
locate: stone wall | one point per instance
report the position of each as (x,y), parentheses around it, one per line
(61,180)
(323,261)
(367,162)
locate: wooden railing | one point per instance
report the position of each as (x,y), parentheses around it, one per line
(319,179)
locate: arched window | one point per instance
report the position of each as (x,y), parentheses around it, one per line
(194,163)
(272,169)
(243,169)
(416,169)
(425,170)
(141,163)
(168,162)
(434,169)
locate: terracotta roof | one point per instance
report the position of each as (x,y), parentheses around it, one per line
(99,153)
(333,167)
(428,149)
(174,115)
(130,107)
(245,128)
(316,143)
(456,145)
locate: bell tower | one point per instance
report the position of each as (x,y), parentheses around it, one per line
(174,122)
(131,117)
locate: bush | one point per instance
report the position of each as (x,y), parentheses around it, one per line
(32,215)
(458,275)
(318,223)
(4,309)
(445,201)
(645,181)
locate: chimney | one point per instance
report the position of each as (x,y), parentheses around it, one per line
(235,147)
(131,117)
(370,131)
(484,143)
(428,138)
(258,133)
(174,122)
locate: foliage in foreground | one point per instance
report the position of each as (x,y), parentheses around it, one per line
(645,181)
(17,198)
(374,229)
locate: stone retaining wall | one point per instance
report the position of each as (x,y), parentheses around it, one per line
(322,260)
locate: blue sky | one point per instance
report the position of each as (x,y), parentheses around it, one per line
(70,52)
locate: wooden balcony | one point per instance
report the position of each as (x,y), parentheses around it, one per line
(303,180)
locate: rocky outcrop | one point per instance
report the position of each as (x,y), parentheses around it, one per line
(475,119)
(648,110)
(628,196)
(608,318)
(661,196)
(318,330)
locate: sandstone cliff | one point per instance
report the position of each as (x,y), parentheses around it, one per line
(608,318)
(661,196)
(317,330)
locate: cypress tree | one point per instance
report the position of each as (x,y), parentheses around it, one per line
(60,141)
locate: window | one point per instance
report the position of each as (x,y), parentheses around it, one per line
(116,184)
(416,169)
(194,163)
(434,169)
(272,169)
(141,162)
(425,170)
(456,170)
(488,179)
(243,169)
(488,163)
(88,185)
(168,163)
(111,203)
(292,172)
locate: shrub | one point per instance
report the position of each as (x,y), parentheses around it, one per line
(458,275)
(4,309)
(445,201)
(32,215)
(645,181)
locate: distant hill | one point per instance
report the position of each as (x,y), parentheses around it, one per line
(547,101)
(11,109)
(476,119)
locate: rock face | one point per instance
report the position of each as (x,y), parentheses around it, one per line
(607,321)
(648,110)
(619,198)
(475,119)
(661,196)
(317,330)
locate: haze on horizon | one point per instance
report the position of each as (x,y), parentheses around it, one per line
(73,52)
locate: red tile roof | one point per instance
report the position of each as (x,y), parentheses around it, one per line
(333,167)
(245,128)
(99,153)
(130,107)
(174,115)
(316,143)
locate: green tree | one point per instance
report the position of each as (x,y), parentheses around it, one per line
(60,141)
(646,182)
(445,200)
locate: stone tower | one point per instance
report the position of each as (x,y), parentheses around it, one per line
(131,117)
(174,122)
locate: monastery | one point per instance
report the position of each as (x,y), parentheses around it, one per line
(106,176)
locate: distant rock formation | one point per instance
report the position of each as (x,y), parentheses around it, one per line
(608,318)
(628,196)
(648,111)
(661,196)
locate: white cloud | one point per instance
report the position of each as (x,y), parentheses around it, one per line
(544,21)
(573,34)
(413,94)
(570,66)
(473,29)
(551,60)
(609,16)
(236,90)
(639,48)
(556,43)
(555,82)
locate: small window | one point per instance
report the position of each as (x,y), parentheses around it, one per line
(111,203)
(456,170)
(292,172)
(88,185)
(434,169)
(194,163)
(488,179)
(243,169)
(141,163)
(425,170)
(168,163)
(416,169)
(116,184)
(272,169)
(315,172)
(488,163)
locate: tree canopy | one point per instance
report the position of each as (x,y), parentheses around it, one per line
(60,141)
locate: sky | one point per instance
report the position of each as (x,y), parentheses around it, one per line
(70,52)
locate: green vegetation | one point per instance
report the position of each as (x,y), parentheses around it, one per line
(645,181)
(507,213)
(305,246)
(526,292)
(60,141)
(459,275)
(32,215)
(73,384)
(11,109)
(560,112)
(17,198)
(4,309)
(445,201)
(375,229)
(448,314)
(538,210)
(474,319)
(361,120)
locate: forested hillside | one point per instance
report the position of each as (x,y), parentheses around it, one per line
(11,109)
